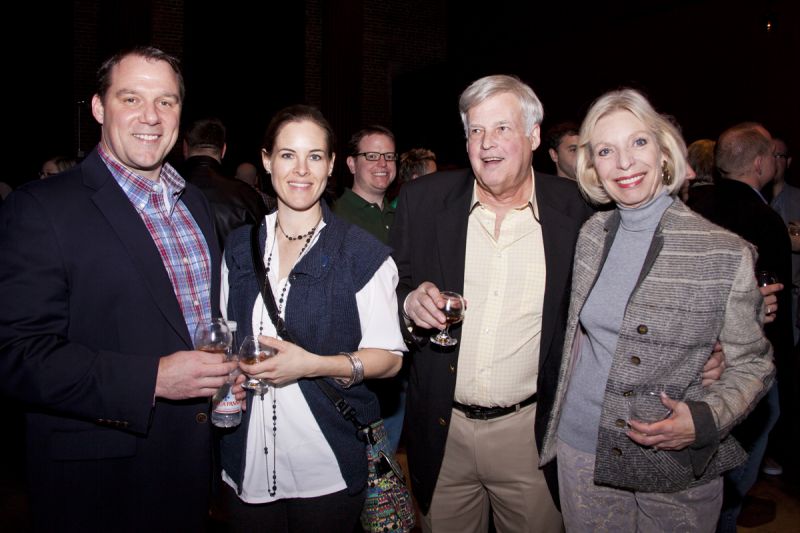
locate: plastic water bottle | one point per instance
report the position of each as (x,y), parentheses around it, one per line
(227,412)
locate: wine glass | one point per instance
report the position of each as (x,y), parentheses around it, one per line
(645,405)
(213,337)
(766,277)
(454,306)
(250,353)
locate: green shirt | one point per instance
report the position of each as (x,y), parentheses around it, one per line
(354,209)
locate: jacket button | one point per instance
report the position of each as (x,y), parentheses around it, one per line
(201,418)
(616,451)
(635,360)
(442,421)
(620,423)
(627,393)
(642,329)
(452,368)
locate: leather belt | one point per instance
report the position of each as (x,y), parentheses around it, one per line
(487,413)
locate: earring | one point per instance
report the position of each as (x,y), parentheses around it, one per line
(666,175)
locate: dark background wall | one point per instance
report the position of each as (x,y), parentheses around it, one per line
(403,64)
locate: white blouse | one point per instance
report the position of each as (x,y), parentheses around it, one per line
(305,465)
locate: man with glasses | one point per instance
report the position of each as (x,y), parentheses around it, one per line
(373,163)
(786,201)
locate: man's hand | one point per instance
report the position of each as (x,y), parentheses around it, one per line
(673,433)
(714,367)
(191,374)
(769,293)
(423,306)
(794,235)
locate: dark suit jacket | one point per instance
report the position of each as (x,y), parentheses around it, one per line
(234,202)
(88,309)
(737,207)
(429,237)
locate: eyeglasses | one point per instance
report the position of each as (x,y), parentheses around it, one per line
(389,157)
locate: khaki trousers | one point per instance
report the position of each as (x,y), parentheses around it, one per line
(492,462)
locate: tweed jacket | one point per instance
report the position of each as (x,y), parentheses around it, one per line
(696,286)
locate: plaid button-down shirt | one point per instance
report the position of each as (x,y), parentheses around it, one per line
(177,236)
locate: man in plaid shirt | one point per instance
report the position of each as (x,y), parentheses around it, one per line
(105,271)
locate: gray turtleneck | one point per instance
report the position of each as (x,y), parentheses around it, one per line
(601,319)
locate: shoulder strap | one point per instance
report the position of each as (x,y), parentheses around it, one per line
(347,411)
(265,288)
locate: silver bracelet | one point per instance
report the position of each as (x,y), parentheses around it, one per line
(357,374)
(359,369)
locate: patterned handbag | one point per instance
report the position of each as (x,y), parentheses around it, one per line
(388,506)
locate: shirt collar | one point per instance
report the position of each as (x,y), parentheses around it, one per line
(358,201)
(760,195)
(531,204)
(139,189)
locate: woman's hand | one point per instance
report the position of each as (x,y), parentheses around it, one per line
(673,433)
(238,390)
(289,363)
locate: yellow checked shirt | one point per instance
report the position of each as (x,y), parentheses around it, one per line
(504,282)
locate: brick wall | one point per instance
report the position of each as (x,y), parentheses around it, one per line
(399,38)
(355,49)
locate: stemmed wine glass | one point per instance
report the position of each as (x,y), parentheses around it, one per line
(766,277)
(454,306)
(213,337)
(250,353)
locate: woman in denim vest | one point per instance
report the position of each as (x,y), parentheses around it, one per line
(294,463)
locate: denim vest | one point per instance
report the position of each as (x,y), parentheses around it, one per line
(322,317)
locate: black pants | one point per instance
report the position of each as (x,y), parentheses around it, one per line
(337,512)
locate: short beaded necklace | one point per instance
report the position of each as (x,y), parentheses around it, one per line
(272,491)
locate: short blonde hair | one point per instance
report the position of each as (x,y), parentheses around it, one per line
(667,136)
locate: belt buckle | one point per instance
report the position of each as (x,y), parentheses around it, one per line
(477,414)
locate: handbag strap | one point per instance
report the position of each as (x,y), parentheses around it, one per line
(265,288)
(345,409)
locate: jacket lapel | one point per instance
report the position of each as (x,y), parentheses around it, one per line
(194,200)
(558,236)
(132,233)
(451,236)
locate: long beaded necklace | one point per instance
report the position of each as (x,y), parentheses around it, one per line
(272,491)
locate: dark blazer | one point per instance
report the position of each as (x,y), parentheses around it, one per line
(233,202)
(429,237)
(738,208)
(88,309)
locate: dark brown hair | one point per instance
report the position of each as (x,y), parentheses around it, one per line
(147,52)
(297,113)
